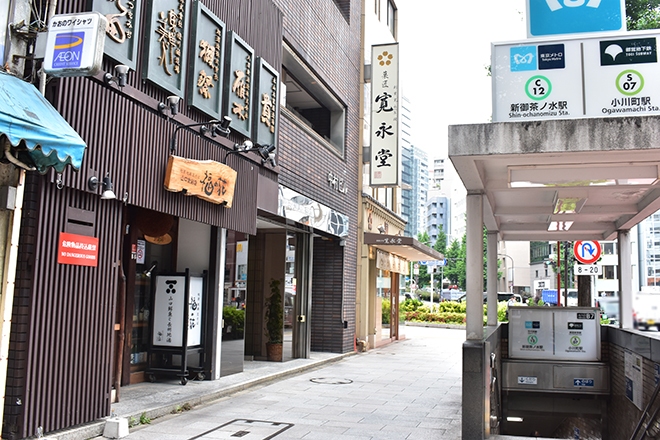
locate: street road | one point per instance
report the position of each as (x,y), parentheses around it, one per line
(410,389)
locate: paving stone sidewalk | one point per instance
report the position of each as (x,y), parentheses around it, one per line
(410,389)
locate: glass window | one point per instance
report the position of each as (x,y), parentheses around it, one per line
(311,104)
(391,17)
(609,273)
(608,248)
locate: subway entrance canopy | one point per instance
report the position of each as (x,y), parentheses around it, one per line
(579,179)
(41,137)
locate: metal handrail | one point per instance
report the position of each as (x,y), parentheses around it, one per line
(645,413)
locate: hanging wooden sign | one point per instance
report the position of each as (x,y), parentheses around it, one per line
(209,180)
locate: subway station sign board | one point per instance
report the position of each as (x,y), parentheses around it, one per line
(607,75)
(554,333)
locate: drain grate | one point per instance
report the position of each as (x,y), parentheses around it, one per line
(331,381)
(246,429)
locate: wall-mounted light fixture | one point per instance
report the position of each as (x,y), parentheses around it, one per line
(108,193)
(121,72)
(172,103)
(215,127)
(266,152)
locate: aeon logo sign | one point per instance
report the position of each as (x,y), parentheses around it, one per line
(553,17)
(68,50)
(555,5)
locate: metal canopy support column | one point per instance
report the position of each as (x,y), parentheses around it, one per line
(625,279)
(474,321)
(491,283)
(474,364)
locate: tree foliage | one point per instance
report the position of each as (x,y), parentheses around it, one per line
(424,278)
(642,14)
(440,244)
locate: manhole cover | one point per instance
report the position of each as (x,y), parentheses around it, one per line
(246,429)
(331,381)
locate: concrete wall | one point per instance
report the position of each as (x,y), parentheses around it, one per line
(623,415)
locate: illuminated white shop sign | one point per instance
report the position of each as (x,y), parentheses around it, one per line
(385,160)
(302,209)
(611,75)
(74,44)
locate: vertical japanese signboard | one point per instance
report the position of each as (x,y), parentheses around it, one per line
(238,84)
(195,297)
(385,155)
(166,44)
(169,306)
(123,30)
(266,105)
(206,62)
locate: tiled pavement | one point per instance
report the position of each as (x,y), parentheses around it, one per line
(410,389)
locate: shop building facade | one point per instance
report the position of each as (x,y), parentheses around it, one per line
(81,332)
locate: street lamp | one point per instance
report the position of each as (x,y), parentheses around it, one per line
(513,265)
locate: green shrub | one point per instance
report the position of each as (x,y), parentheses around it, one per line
(451,307)
(235,319)
(410,305)
(386,310)
(440,317)
(501,311)
(447,312)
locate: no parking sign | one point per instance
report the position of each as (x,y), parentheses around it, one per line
(587,251)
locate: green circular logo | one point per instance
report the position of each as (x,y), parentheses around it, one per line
(538,87)
(532,339)
(630,82)
(575,341)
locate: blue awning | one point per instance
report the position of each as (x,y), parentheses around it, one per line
(36,129)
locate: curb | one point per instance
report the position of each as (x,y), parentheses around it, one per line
(434,325)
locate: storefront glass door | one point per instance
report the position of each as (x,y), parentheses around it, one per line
(152,240)
(234,304)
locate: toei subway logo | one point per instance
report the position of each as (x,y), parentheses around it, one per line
(68,50)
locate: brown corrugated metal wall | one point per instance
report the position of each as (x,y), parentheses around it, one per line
(128,138)
(60,361)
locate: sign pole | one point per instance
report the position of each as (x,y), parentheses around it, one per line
(558,274)
(432,288)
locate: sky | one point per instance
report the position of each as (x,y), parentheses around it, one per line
(444,47)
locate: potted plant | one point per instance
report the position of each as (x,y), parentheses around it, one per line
(274,322)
